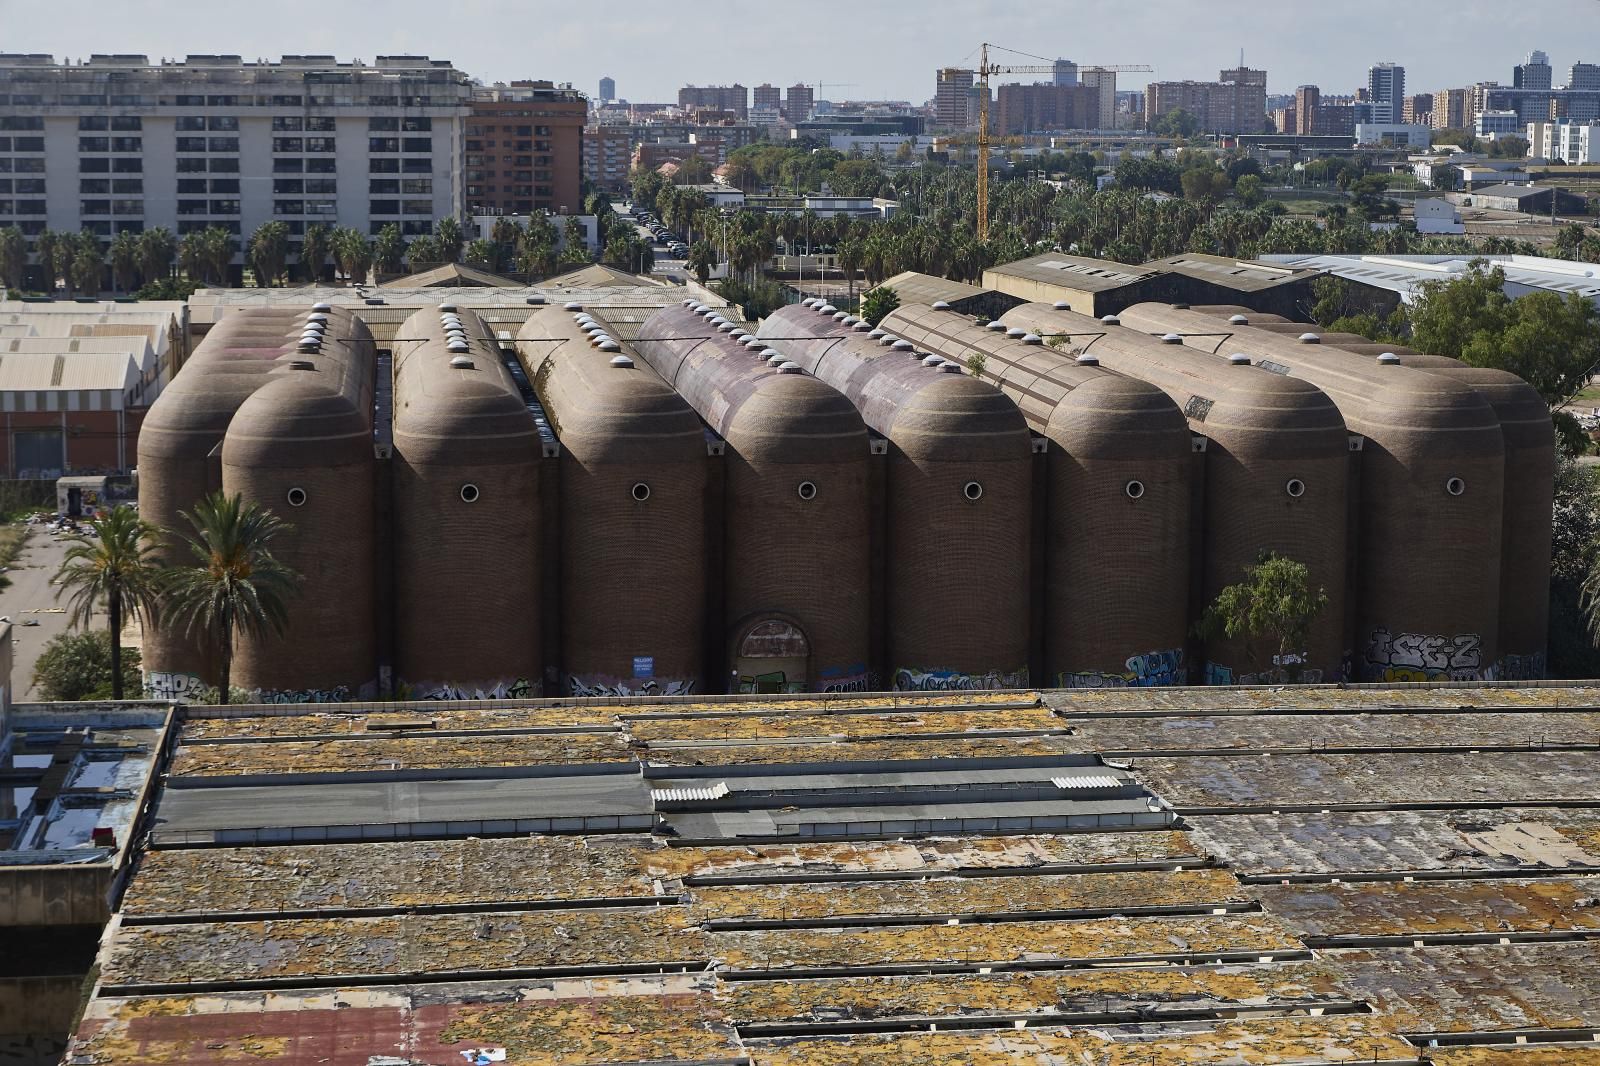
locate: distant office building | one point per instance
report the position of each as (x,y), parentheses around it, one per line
(1498,124)
(1584,77)
(733,98)
(767,96)
(1284,120)
(1535,73)
(524,149)
(1307,99)
(1573,143)
(118,143)
(1235,103)
(608,89)
(799,103)
(1452,109)
(1105,83)
(1045,108)
(952,99)
(1386,90)
(607,155)
(1065,73)
(1418,110)
(1397,135)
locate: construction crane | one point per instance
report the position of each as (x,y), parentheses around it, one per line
(985,68)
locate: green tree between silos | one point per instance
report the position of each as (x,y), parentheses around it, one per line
(879,303)
(1275,602)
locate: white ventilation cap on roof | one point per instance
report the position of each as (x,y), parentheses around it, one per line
(862,326)
(841,316)
(770,353)
(1017,332)
(888,340)
(322,307)
(622,362)
(461,362)
(875,333)
(827,309)
(1239,359)
(609,345)
(1389,359)
(775,359)
(316,316)
(572,305)
(850,320)
(1062,305)
(458,346)
(1238,320)
(902,346)
(996,325)
(447,306)
(932,360)
(1310,338)
(1088,360)
(940,305)
(790,368)
(1032,338)
(1172,338)
(949,367)
(1110,320)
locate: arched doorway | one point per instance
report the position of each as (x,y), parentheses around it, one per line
(771,655)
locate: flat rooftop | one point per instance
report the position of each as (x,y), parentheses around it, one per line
(1322,875)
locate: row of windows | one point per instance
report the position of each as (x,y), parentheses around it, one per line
(198,185)
(111,207)
(91,186)
(515,146)
(91,123)
(22,185)
(125,144)
(22,207)
(399,125)
(475,128)
(208,207)
(190,225)
(303,144)
(516,175)
(217,164)
(410,186)
(510,190)
(21,122)
(304,207)
(23,166)
(305,185)
(121,165)
(303,166)
(297,123)
(202,144)
(394,144)
(215,123)
(514,161)
(400,166)
(401,207)
(22,144)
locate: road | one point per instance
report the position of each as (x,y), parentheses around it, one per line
(31,598)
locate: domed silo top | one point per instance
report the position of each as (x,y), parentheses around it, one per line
(454,400)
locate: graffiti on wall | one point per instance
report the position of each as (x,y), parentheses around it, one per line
(912,679)
(519,688)
(1219,674)
(1425,657)
(1522,667)
(853,678)
(336,694)
(183,688)
(631,686)
(1147,670)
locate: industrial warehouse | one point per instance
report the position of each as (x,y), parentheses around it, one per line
(615,490)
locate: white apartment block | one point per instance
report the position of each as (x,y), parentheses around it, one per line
(1573,143)
(118,143)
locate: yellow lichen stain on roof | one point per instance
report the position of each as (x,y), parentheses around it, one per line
(408,753)
(830,750)
(399,945)
(596,1030)
(870,998)
(933,855)
(355,723)
(385,874)
(1394,908)
(854,723)
(1245,1043)
(999,943)
(969,895)
(1535,1055)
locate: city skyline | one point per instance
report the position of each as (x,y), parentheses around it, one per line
(651,52)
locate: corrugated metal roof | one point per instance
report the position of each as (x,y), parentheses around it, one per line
(689,795)
(20,371)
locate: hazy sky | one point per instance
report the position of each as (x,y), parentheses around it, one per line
(889,50)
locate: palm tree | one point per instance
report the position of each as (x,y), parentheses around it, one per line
(449,233)
(269,252)
(235,585)
(157,248)
(50,248)
(352,252)
(13,257)
(389,249)
(314,251)
(86,266)
(124,260)
(115,566)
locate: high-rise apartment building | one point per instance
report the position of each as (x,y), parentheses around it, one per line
(951,100)
(608,89)
(117,143)
(769,97)
(607,156)
(1535,73)
(1386,90)
(799,103)
(1065,72)
(1307,100)
(1044,108)
(1235,103)
(1452,109)
(734,99)
(1418,110)
(524,149)
(1104,82)
(1576,144)
(1584,77)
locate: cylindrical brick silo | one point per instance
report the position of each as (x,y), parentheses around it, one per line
(959,498)
(633,485)
(1118,502)
(1276,480)
(301,446)
(796,558)
(465,505)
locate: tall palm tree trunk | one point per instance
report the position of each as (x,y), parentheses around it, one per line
(225,662)
(115,604)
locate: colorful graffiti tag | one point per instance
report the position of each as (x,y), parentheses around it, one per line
(853,678)
(1218,674)
(1147,670)
(1531,667)
(511,689)
(632,686)
(182,688)
(912,679)
(1425,657)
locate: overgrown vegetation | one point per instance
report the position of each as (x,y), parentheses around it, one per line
(77,666)
(1275,603)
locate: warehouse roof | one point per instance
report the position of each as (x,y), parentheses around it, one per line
(1406,274)
(1075,272)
